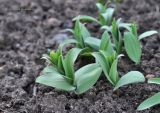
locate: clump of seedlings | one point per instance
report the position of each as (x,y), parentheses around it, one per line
(118,38)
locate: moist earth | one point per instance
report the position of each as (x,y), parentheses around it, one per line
(29,27)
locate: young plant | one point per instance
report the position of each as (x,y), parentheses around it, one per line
(132,43)
(128,39)
(61,74)
(109,67)
(152,101)
(108,59)
(80,33)
(105,15)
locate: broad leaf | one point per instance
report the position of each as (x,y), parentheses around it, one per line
(78,33)
(100,7)
(154,100)
(68,62)
(154,81)
(147,34)
(49,69)
(107,16)
(85,33)
(86,77)
(104,64)
(130,77)
(93,42)
(55,79)
(133,47)
(81,33)
(106,44)
(85,18)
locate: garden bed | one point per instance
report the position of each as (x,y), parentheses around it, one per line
(26,34)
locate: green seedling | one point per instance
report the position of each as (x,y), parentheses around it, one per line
(128,39)
(109,67)
(152,101)
(132,43)
(80,33)
(105,15)
(70,80)
(100,44)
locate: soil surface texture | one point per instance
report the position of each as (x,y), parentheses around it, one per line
(29,27)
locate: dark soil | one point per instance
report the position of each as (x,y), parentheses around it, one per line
(29,27)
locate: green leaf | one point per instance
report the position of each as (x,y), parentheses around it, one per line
(154,81)
(81,33)
(115,31)
(54,57)
(107,16)
(103,63)
(130,77)
(113,73)
(85,18)
(152,101)
(147,34)
(54,79)
(125,26)
(65,42)
(134,30)
(69,30)
(85,33)
(110,57)
(100,7)
(49,69)
(78,33)
(60,65)
(106,44)
(108,28)
(68,62)
(86,77)
(133,47)
(93,42)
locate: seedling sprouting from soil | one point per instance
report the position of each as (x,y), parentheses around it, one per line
(152,101)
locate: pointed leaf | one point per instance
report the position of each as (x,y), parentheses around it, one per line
(69,60)
(85,18)
(154,100)
(100,7)
(113,73)
(86,77)
(133,47)
(85,33)
(147,34)
(55,80)
(103,63)
(154,81)
(49,69)
(134,30)
(93,42)
(129,78)
(106,44)
(107,16)
(78,33)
